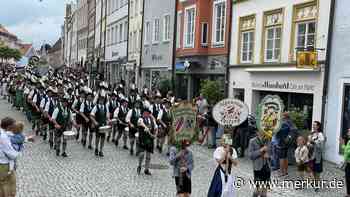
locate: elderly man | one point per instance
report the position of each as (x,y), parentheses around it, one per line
(7,158)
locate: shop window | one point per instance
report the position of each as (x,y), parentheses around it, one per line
(204,38)
(345,124)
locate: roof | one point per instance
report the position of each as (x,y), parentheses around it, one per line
(24,48)
(4,31)
(57,46)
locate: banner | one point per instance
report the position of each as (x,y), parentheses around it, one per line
(269,115)
(230,112)
(184,124)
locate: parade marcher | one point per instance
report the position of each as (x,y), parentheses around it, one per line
(62,119)
(34,99)
(85,110)
(182,162)
(44,121)
(78,100)
(132,119)
(100,117)
(147,134)
(120,114)
(50,106)
(112,105)
(164,120)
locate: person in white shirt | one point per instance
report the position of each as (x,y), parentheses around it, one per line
(100,117)
(301,157)
(164,120)
(132,119)
(147,134)
(120,114)
(84,111)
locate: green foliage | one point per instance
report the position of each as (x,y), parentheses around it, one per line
(298,117)
(212,91)
(7,53)
(164,86)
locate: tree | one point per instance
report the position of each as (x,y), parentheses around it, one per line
(7,53)
(164,86)
(212,91)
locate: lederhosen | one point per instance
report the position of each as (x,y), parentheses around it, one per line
(79,119)
(167,119)
(44,119)
(101,118)
(146,141)
(36,114)
(134,119)
(63,119)
(121,116)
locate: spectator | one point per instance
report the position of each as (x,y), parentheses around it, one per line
(316,145)
(259,153)
(201,103)
(301,157)
(275,165)
(285,139)
(346,151)
(8,156)
(182,163)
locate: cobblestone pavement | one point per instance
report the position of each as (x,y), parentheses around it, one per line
(42,174)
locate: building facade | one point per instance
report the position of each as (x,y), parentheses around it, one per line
(201,44)
(82,31)
(134,42)
(338,98)
(264,44)
(157,47)
(116,39)
(90,63)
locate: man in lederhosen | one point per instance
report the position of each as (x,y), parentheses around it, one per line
(147,134)
(78,100)
(120,114)
(62,119)
(100,117)
(131,118)
(50,106)
(44,119)
(85,110)
(35,102)
(164,120)
(112,105)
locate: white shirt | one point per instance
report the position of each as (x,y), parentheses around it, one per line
(140,122)
(42,103)
(8,155)
(82,106)
(31,94)
(128,116)
(94,110)
(47,105)
(156,106)
(161,113)
(55,113)
(35,98)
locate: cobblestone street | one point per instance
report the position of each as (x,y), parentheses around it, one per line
(42,174)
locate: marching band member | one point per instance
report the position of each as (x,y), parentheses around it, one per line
(85,110)
(78,100)
(147,134)
(50,106)
(62,118)
(120,114)
(165,120)
(112,105)
(100,117)
(132,118)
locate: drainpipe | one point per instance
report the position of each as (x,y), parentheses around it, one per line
(328,61)
(227,73)
(173,66)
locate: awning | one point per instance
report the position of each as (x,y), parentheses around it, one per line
(281,69)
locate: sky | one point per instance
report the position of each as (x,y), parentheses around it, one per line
(33,21)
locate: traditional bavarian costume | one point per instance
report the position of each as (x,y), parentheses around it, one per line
(120,114)
(112,105)
(62,116)
(49,109)
(164,119)
(78,100)
(132,118)
(85,108)
(146,140)
(44,120)
(100,113)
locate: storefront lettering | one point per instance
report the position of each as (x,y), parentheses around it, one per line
(283,85)
(157,57)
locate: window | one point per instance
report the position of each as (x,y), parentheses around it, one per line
(166,28)
(178,28)
(189,24)
(115,34)
(148,33)
(306,32)
(204,37)
(247,46)
(126,29)
(120,32)
(272,44)
(108,37)
(219,21)
(156,31)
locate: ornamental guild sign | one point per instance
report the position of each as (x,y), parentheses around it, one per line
(184,124)
(230,112)
(269,115)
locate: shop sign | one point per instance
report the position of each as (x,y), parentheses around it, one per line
(283,85)
(230,112)
(269,115)
(307,59)
(184,124)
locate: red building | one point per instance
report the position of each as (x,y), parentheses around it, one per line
(202,43)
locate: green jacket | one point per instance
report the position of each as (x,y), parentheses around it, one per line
(346,151)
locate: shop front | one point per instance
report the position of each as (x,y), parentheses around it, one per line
(152,77)
(301,91)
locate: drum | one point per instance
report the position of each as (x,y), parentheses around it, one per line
(69,135)
(105,129)
(126,129)
(114,121)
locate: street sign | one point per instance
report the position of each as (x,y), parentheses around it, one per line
(307,59)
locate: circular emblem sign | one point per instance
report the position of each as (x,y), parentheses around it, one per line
(269,115)
(230,112)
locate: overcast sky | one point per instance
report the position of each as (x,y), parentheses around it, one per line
(33,21)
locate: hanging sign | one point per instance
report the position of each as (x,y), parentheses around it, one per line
(269,116)
(230,112)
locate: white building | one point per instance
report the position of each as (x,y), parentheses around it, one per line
(82,31)
(135,35)
(117,39)
(265,35)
